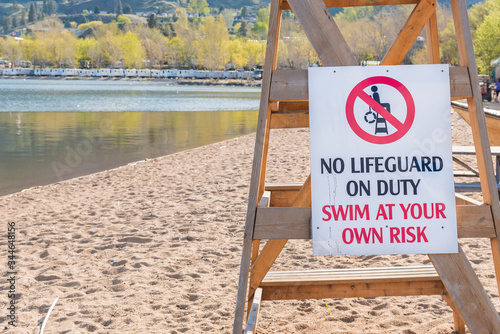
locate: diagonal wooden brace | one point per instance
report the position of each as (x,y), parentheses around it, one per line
(408,35)
(323,32)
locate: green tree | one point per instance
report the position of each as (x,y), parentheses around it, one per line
(32,15)
(11,49)
(152,21)
(154,45)
(133,53)
(486,41)
(259,30)
(97,10)
(242,30)
(187,38)
(49,7)
(174,52)
(90,51)
(237,53)
(14,21)
(6,23)
(161,9)
(119,8)
(123,19)
(255,53)
(213,50)
(127,9)
(198,6)
(263,15)
(85,12)
(244,12)
(110,40)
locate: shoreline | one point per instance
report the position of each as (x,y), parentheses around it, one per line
(180,81)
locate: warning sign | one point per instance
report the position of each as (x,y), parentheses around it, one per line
(381,163)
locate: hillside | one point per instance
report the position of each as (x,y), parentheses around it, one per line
(9,8)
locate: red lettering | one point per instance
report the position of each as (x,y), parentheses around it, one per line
(358,213)
(363,235)
(405,210)
(394,232)
(426,213)
(328,214)
(419,211)
(344,236)
(421,234)
(342,211)
(410,234)
(381,212)
(377,235)
(390,206)
(440,207)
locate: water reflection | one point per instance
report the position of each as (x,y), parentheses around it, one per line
(44,147)
(46,95)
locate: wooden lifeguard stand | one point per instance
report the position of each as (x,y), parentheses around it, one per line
(279,213)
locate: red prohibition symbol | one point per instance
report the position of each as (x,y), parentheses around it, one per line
(402,127)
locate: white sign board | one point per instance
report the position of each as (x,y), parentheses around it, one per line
(381,161)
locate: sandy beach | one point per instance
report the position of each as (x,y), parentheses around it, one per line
(155,247)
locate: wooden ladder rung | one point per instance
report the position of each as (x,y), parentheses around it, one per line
(350,283)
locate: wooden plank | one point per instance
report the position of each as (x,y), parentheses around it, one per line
(289,120)
(475,221)
(323,33)
(471,150)
(409,33)
(459,83)
(458,320)
(283,198)
(478,126)
(293,106)
(349,290)
(289,85)
(258,168)
(292,85)
(288,223)
(351,275)
(356,3)
(253,316)
(465,289)
(431,34)
(465,200)
(274,247)
(288,186)
(465,174)
(492,124)
(294,223)
(465,165)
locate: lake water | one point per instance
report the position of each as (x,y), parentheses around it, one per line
(51,130)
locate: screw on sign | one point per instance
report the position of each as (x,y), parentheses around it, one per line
(378,112)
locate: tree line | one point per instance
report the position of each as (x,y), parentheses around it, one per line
(206,42)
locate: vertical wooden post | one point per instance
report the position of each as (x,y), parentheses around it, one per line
(431,33)
(478,124)
(260,158)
